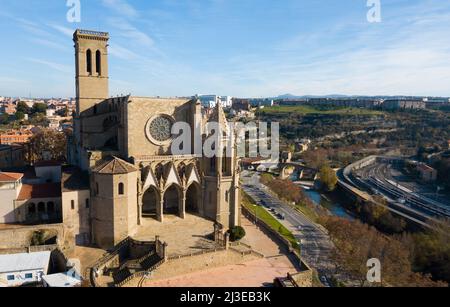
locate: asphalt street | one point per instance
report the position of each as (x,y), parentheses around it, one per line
(315,243)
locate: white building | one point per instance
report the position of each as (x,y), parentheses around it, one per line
(62,280)
(10,186)
(210,101)
(19,269)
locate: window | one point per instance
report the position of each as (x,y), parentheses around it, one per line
(41,207)
(121,189)
(87,203)
(28,275)
(98,62)
(72,204)
(31,208)
(89,61)
(51,207)
(11,277)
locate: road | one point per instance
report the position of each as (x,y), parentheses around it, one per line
(315,243)
(380,177)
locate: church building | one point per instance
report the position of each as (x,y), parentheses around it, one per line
(124,143)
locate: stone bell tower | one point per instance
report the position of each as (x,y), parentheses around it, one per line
(91,69)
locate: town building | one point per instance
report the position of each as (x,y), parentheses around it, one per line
(403,104)
(15,137)
(427,173)
(8,108)
(241,104)
(210,101)
(25,268)
(62,280)
(33,197)
(261,102)
(10,187)
(12,156)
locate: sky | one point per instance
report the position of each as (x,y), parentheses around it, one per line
(242,48)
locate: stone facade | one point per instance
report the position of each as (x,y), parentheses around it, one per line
(133,173)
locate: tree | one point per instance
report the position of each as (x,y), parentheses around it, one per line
(328,177)
(355,243)
(4,119)
(19,115)
(23,107)
(39,108)
(48,141)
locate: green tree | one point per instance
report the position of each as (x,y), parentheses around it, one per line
(39,108)
(4,119)
(23,107)
(328,178)
(237,233)
(19,115)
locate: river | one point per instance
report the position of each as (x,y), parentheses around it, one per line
(321,200)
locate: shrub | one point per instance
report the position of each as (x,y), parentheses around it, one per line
(237,233)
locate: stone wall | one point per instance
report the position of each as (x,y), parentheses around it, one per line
(200,262)
(19,237)
(303,278)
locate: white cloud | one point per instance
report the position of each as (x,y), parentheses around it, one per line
(56,66)
(62,29)
(121,7)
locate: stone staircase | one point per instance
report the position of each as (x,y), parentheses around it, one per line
(121,275)
(134,268)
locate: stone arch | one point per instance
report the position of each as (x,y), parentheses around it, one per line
(32,208)
(193,198)
(51,207)
(172,198)
(41,207)
(150,201)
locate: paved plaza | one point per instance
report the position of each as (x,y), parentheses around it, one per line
(256,273)
(183,236)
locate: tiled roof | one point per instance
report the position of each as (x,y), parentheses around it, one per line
(10,177)
(73,179)
(115,166)
(47,190)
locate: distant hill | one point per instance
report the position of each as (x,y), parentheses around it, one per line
(290,96)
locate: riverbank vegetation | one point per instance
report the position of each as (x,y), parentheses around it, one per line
(423,256)
(293,194)
(356,243)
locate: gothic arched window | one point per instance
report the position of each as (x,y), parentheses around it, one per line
(89,61)
(98,62)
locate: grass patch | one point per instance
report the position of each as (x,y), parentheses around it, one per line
(309,110)
(309,212)
(265,216)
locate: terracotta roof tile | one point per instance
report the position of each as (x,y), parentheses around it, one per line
(47,190)
(9,177)
(114,165)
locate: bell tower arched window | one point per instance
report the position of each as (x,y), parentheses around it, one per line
(89,61)
(98,62)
